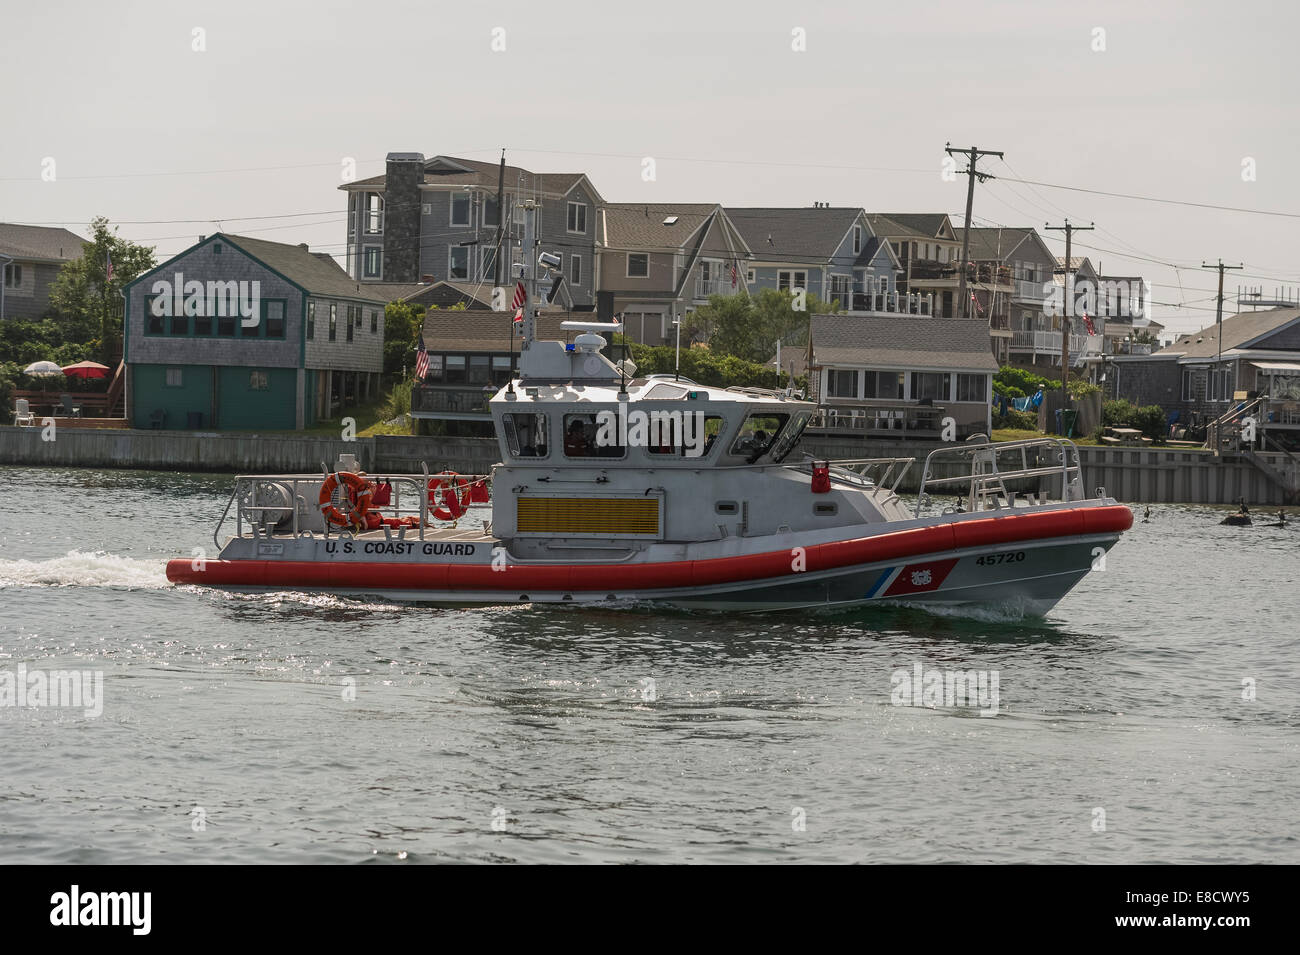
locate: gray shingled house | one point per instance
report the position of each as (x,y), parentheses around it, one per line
(244,334)
(890,375)
(31,257)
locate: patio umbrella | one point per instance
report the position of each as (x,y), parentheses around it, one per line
(86,370)
(43,369)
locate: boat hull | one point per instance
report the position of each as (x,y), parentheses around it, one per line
(1025,561)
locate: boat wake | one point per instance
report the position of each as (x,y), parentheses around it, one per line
(85,569)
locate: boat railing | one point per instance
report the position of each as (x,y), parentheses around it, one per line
(993,465)
(884,473)
(270,505)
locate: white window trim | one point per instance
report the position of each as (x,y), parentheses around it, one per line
(451,210)
(792,273)
(365,213)
(583,230)
(450,250)
(857,240)
(572,259)
(749,277)
(362,269)
(628,266)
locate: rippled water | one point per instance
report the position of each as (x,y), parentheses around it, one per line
(535,735)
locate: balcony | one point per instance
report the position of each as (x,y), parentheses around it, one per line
(1027,291)
(718,285)
(903,304)
(1049,343)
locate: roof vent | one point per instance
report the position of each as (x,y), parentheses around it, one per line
(670,220)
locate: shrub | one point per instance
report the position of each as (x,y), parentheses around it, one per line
(1020,420)
(1150,419)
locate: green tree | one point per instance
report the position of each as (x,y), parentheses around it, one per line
(748,327)
(402,323)
(87,304)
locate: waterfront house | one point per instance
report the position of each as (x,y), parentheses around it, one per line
(240,334)
(472,353)
(832,253)
(1010,279)
(1205,374)
(927,249)
(659,261)
(897,375)
(429,220)
(30,258)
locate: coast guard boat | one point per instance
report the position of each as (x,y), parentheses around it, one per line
(617,488)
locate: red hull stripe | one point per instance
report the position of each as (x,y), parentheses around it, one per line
(569,578)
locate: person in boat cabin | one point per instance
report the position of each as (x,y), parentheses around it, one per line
(576,444)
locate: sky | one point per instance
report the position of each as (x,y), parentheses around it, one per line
(178,119)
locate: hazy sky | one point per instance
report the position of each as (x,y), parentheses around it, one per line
(142,127)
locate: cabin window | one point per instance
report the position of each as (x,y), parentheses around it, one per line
(153,323)
(757,434)
(825,508)
(460,209)
(274,319)
(374,212)
(458,262)
(790,437)
(786,281)
(592,436)
(687,434)
(726,507)
(841,384)
(884,384)
(972,387)
(929,385)
(577,217)
(638,265)
(525,434)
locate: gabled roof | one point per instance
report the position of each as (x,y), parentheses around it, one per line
(794,235)
(1243,330)
(903,342)
(299,265)
(454,171)
(869,250)
(993,244)
(646,226)
(475,330)
(925,225)
(39,242)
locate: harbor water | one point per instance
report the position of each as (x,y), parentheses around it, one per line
(1151,717)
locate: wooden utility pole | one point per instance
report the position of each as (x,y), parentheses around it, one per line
(1218,320)
(972,156)
(1067,310)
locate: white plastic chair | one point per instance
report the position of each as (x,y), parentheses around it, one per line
(23,413)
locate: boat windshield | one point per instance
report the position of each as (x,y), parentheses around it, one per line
(758,433)
(782,448)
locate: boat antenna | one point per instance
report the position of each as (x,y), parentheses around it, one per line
(496,263)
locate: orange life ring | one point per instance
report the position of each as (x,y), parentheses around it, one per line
(360,491)
(455,495)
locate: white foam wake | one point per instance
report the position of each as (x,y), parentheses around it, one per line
(84,569)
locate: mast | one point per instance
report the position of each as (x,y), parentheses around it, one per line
(529,273)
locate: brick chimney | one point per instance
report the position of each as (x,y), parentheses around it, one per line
(403,175)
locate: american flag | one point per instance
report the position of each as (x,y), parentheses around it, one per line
(421,360)
(1092,329)
(108,268)
(735,275)
(521,296)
